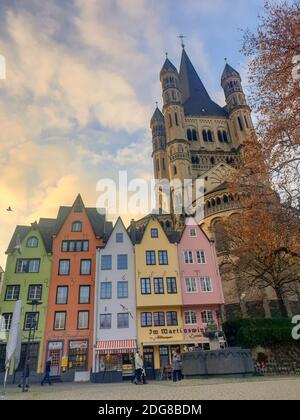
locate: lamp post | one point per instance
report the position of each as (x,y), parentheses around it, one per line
(32,328)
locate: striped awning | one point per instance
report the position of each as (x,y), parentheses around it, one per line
(116,346)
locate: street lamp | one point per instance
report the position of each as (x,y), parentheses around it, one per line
(34,304)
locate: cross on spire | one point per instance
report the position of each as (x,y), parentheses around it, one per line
(181,39)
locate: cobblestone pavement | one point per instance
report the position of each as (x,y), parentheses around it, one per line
(196,389)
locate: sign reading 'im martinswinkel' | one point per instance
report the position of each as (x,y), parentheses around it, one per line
(2,67)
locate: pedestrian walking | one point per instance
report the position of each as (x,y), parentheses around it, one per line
(138,365)
(47,373)
(176,366)
(26,378)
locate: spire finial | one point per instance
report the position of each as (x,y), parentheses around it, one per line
(166,54)
(181,39)
(156,104)
(225,59)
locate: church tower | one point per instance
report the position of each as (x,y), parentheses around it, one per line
(178,153)
(239,111)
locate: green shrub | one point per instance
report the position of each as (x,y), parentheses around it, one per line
(259,332)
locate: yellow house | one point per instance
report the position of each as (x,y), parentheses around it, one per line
(159,318)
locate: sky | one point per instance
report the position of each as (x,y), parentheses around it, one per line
(82,79)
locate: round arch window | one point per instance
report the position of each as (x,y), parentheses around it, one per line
(32,242)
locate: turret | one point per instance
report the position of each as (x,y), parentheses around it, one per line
(159,154)
(239,111)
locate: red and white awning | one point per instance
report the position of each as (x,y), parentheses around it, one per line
(116,346)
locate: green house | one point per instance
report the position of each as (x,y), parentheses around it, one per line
(27,277)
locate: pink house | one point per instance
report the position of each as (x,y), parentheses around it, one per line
(202,294)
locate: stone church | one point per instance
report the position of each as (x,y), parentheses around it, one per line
(193,137)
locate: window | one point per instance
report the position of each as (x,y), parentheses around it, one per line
(204,135)
(201,257)
(195,135)
(105,321)
(175,170)
(123,320)
(240,124)
(85,267)
(32,242)
(159,319)
(146,319)
(189,135)
(163,257)
(106,262)
(83,320)
(64,267)
(209,136)
(34,356)
(190,317)
(27,266)
(106,290)
(154,233)
(246,121)
(145,286)
(76,227)
(62,295)
(207,316)
(220,137)
(84,294)
(170,120)
(193,233)
(12,292)
(75,246)
(119,237)
(5,321)
(190,284)
(225,137)
(159,286)
(31,321)
(150,258)
(2,355)
(176,119)
(35,292)
(171,285)
(122,289)
(188,257)
(205,283)
(122,262)
(60,321)
(172,318)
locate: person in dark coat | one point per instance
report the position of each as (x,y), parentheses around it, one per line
(47,373)
(26,379)
(176,366)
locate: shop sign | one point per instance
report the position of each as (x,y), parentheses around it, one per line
(78,345)
(55,345)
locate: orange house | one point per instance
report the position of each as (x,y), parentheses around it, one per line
(70,314)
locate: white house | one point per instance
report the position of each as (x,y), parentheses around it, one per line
(115,331)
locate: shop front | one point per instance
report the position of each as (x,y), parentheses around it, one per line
(78,355)
(114,360)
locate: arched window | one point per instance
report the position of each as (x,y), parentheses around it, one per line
(218,201)
(170,120)
(167,224)
(76,227)
(204,135)
(209,135)
(212,160)
(225,137)
(32,242)
(213,203)
(220,137)
(175,170)
(246,121)
(208,205)
(176,119)
(189,134)
(225,199)
(195,135)
(240,124)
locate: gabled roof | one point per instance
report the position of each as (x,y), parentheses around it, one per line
(157,116)
(111,231)
(229,72)
(100,226)
(168,66)
(173,236)
(45,227)
(196,100)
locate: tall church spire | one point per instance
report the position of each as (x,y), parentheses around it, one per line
(195,98)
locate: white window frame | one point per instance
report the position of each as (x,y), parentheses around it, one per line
(206,280)
(206,317)
(190,256)
(189,315)
(201,257)
(189,279)
(190,235)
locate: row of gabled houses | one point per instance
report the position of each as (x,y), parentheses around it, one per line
(94,293)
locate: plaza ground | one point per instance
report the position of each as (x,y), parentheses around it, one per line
(257,388)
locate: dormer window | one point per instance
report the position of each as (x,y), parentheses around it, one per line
(32,242)
(76,227)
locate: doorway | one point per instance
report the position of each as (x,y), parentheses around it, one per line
(148,355)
